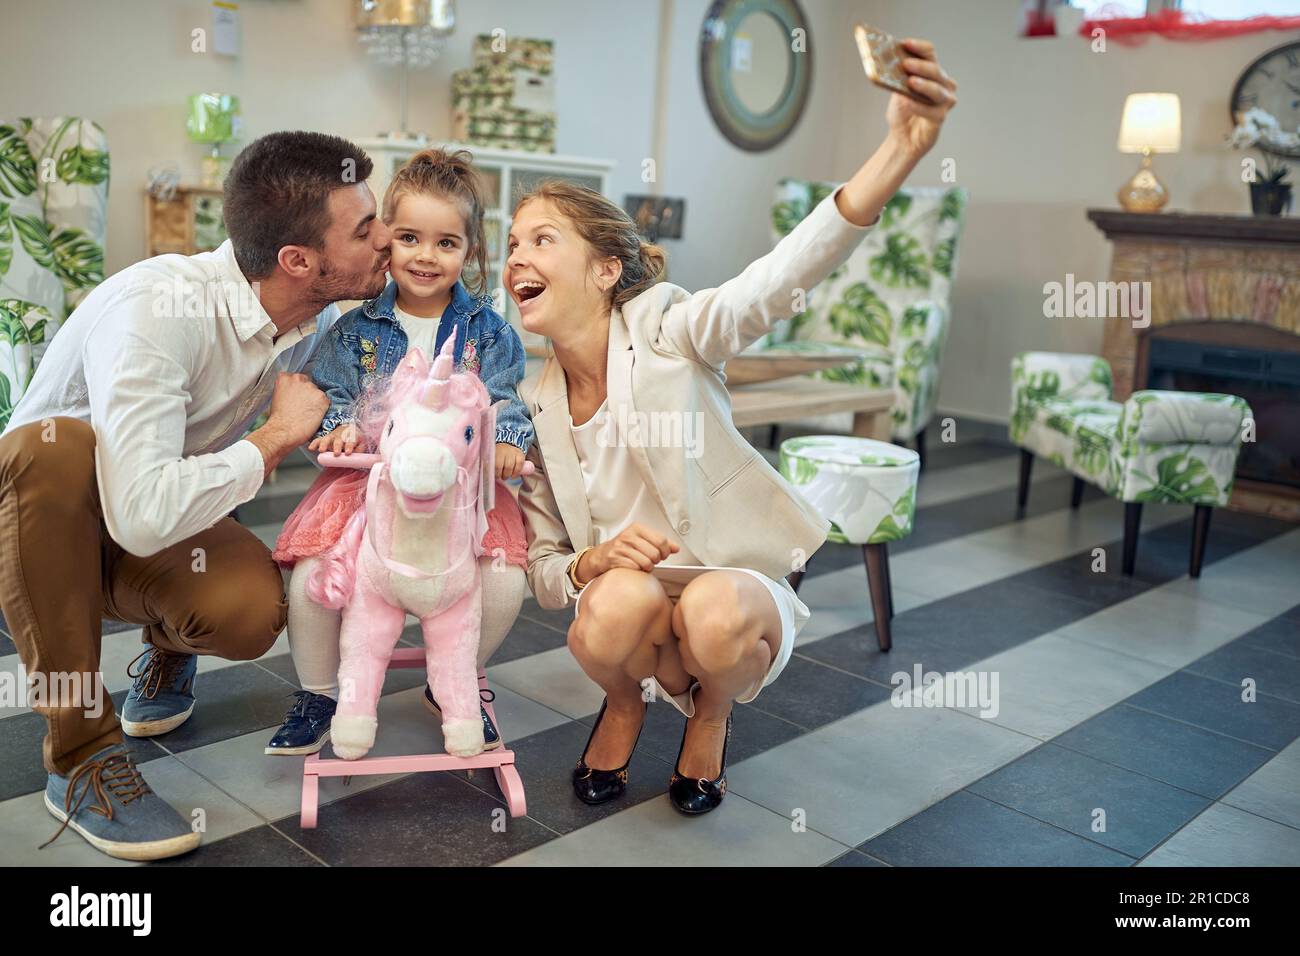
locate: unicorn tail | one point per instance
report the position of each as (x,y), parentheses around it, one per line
(331,581)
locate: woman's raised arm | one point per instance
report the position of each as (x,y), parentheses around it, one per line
(713,325)
(913,129)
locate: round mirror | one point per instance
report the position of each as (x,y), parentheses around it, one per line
(760,63)
(756,69)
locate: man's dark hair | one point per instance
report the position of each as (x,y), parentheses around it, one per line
(277,194)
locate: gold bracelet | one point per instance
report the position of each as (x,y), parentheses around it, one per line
(573,570)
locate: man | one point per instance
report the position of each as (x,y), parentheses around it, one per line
(123,459)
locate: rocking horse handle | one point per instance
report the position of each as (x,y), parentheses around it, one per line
(366,461)
(362,460)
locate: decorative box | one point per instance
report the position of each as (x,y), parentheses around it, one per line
(506,100)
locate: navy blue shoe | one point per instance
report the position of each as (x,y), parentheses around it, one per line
(306,726)
(491,739)
(162,696)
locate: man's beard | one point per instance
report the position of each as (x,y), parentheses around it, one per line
(331,285)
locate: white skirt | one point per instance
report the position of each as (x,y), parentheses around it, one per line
(793,612)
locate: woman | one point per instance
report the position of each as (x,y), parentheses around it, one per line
(673,557)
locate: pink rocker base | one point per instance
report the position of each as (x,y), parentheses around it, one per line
(501,760)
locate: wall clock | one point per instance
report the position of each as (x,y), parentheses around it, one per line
(756,69)
(1272,83)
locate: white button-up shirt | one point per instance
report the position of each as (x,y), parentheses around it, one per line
(169,360)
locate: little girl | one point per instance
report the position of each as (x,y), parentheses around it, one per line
(434,207)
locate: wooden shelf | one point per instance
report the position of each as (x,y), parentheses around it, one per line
(1175,226)
(187,223)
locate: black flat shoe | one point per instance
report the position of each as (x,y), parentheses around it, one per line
(598,786)
(695,795)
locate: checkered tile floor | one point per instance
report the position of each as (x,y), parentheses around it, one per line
(1121,737)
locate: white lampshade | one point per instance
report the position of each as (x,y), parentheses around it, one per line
(1151,121)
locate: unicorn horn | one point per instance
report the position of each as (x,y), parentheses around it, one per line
(442,365)
(434,394)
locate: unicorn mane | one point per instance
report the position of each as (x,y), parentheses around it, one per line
(378,398)
(331,581)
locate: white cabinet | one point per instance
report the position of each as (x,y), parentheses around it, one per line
(506,175)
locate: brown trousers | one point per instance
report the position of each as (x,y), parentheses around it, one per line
(61,573)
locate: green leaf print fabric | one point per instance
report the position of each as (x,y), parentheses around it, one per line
(890,299)
(54,175)
(865,488)
(1164,446)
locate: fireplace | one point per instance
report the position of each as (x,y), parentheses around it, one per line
(1224,317)
(1212,357)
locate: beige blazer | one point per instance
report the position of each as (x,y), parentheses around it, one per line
(667,349)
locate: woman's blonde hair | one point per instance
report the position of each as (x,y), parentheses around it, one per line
(609,231)
(446,175)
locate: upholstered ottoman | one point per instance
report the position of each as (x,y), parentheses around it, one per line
(1164,446)
(867,490)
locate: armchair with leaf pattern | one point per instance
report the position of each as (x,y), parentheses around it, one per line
(1166,447)
(890,300)
(53,215)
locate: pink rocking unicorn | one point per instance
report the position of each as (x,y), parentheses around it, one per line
(415,547)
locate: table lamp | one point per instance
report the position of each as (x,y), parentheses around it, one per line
(213,119)
(1152,124)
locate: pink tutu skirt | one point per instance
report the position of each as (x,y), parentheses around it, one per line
(318,521)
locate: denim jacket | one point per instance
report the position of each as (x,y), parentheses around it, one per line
(369,341)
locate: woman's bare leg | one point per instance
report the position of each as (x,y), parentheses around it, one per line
(624,618)
(729,631)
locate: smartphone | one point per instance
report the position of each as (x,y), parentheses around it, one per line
(882,58)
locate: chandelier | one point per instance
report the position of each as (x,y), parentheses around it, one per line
(408,34)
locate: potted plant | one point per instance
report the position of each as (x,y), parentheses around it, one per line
(1271,195)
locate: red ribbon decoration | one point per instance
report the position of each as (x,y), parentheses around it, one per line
(1178,25)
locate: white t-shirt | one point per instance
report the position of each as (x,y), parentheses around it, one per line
(616,494)
(419,331)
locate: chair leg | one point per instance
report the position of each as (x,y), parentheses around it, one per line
(1076,492)
(1200,533)
(920,447)
(1026,466)
(773,434)
(1132,523)
(889,581)
(877,580)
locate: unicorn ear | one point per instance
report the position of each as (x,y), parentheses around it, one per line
(466,389)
